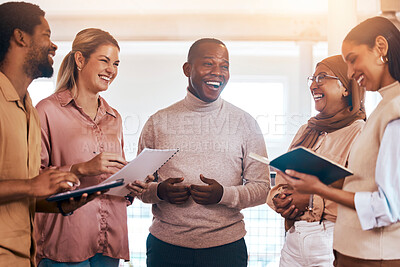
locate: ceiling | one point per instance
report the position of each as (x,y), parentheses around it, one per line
(263,20)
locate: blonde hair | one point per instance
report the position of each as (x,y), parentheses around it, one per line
(86,42)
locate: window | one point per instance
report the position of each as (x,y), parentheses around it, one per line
(41,88)
(262,97)
(371,101)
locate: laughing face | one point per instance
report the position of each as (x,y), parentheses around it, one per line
(364,65)
(100,69)
(39,60)
(329,95)
(208,71)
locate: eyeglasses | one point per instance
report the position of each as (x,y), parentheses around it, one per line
(319,79)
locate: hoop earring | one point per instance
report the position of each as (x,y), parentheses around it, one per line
(383,59)
(79,69)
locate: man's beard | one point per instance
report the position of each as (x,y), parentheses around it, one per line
(37,64)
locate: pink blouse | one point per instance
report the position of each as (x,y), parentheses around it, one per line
(69,136)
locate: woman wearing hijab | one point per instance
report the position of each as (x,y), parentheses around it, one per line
(310,219)
(367,231)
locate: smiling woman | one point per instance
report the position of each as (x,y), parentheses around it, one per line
(368,222)
(83,134)
(325,87)
(310,219)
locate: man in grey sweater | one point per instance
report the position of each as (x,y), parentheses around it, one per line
(199,193)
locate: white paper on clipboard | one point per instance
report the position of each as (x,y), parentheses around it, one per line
(146,163)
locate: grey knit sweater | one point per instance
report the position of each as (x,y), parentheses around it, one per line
(215,140)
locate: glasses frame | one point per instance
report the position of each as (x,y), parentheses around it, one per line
(319,79)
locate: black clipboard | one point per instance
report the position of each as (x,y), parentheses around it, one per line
(89,190)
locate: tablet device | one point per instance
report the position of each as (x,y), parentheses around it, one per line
(88,190)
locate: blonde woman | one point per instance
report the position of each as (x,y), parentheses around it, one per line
(83,134)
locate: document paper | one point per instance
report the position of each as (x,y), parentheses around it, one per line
(146,163)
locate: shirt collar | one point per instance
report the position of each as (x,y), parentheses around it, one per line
(65,97)
(105,108)
(8,90)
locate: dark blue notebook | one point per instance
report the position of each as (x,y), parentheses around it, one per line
(306,161)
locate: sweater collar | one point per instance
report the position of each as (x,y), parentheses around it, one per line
(390,91)
(193,103)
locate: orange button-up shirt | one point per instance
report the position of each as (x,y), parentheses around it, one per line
(70,136)
(19,159)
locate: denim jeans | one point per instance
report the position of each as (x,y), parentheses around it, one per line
(98,260)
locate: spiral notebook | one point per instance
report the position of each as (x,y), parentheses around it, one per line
(146,163)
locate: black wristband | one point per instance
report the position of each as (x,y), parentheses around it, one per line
(61,210)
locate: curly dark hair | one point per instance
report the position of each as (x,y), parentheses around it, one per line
(17,15)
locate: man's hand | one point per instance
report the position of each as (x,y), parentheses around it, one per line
(169,191)
(73,204)
(138,187)
(51,182)
(108,163)
(207,194)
